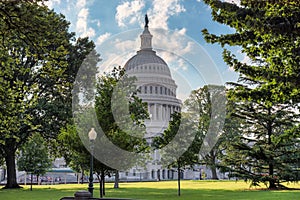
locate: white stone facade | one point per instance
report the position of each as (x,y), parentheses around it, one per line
(158,89)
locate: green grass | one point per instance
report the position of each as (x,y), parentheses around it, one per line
(208,190)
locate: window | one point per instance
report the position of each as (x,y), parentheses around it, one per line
(150,89)
(145,89)
(156,90)
(134,173)
(170,174)
(161,89)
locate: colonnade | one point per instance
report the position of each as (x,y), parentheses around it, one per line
(162,111)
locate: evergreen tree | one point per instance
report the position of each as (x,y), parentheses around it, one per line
(266,97)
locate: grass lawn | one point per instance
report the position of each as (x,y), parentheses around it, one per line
(191,190)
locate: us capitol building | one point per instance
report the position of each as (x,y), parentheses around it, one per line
(158,89)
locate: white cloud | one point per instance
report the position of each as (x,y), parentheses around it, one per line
(80,4)
(173,40)
(129,12)
(82,28)
(172,46)
(182,31)
(102,38)
(51,3)
(162,10)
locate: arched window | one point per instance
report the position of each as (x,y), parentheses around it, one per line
(150,89)
(152,174)
(161,89)
(156,90)
(145,89)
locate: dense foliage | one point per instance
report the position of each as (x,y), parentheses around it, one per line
(39,62)
(34,157)
(267,94)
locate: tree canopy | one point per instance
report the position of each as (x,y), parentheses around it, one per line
(39,62)
(267,94)
(34,157)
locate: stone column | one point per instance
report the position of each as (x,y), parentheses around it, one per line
(154,113)
(161,112)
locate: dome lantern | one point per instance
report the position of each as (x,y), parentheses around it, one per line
(146,37)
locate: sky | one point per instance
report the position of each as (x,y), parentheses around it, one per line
(176,27)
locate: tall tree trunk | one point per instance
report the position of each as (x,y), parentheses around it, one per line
(101,188)
(31,177)
(272,184)
(103,182)
(117,179)
(212,164)
(37,179)
(11,169)
(178,178)
(214,173)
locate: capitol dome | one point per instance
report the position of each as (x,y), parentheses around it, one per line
(155,84)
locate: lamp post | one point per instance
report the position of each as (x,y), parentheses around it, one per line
(92,137)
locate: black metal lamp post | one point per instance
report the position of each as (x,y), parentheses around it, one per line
(92,137)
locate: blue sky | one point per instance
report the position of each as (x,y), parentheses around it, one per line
(176,27)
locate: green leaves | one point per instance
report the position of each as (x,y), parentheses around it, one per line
(39,60)
(33,156)
(267,94)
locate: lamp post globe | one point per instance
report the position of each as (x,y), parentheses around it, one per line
(92,134)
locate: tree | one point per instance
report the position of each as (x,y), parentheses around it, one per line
(34,157)
(76,154)
(268,33)
(267,149)
(204,106)
(179,145)
(121,114)
(110,86)
(72,149)
(37,69)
